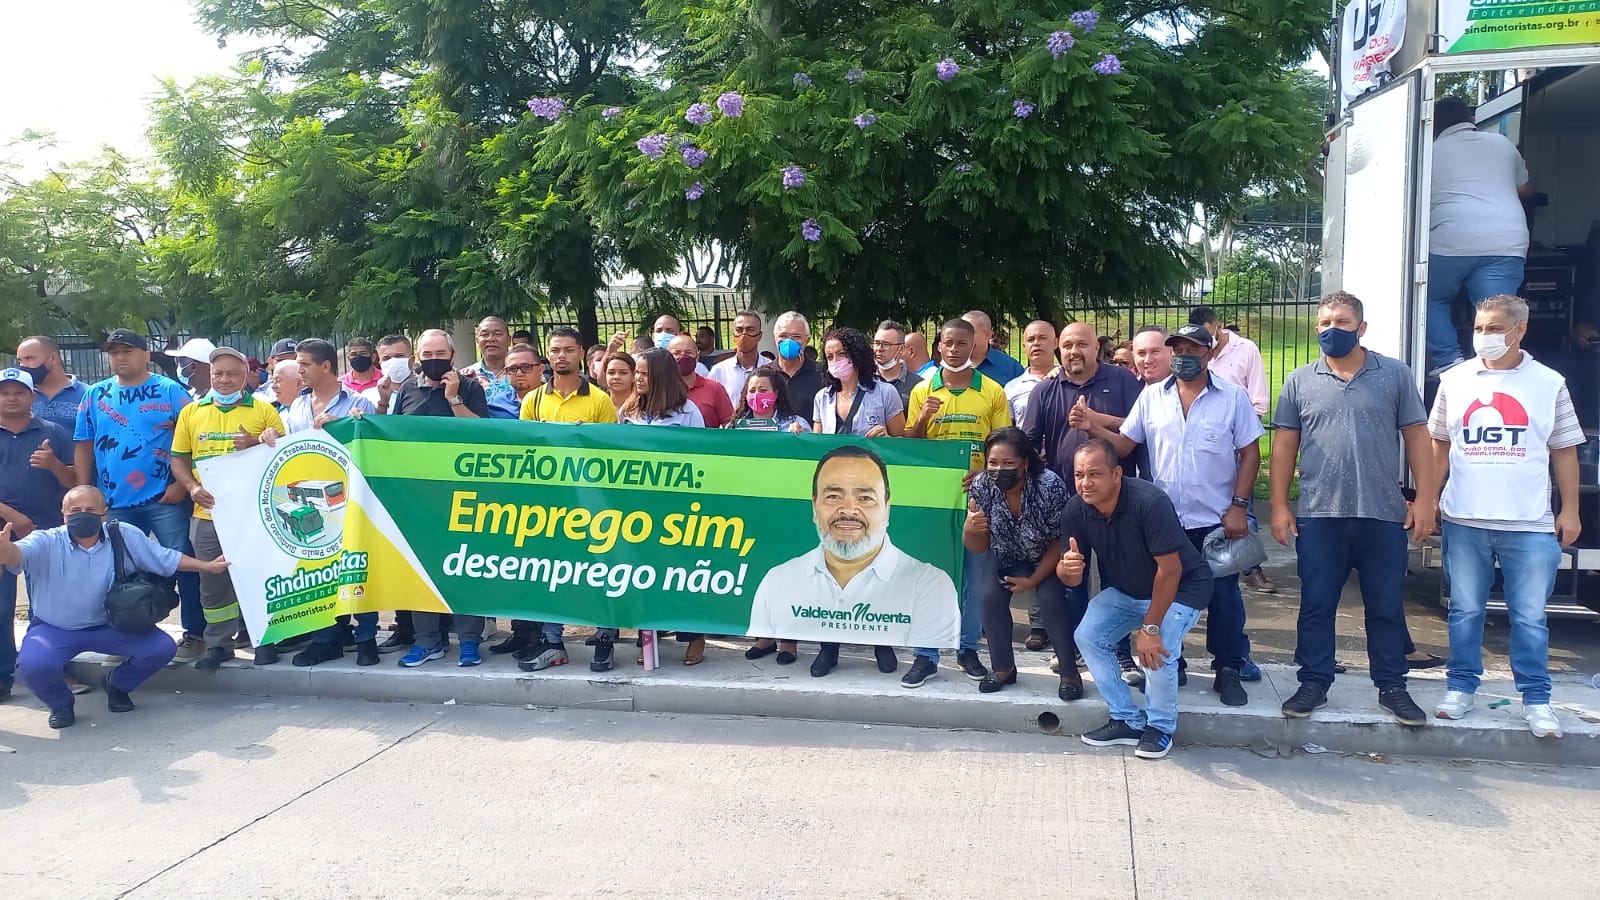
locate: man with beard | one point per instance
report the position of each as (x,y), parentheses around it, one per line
(855,583)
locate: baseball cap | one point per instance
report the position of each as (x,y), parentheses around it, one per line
(285,345)
(195,349)
(127,337)
(218,352)
(17,375)
(252,362)
(1192,332)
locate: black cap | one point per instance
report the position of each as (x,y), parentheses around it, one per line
(125,336)
(286,345)
(1196,333)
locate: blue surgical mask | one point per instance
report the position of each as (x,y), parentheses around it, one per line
(789,348)
(1188,368)
(226,399)
(1337,343)
(663,339)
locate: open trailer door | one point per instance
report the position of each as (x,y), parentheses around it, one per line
(1382,189)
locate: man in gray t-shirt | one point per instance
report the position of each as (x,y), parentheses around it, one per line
(1344,416)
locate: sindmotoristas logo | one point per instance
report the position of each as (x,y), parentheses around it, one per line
(303,498)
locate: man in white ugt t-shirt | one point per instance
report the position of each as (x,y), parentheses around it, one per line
(1499,421)
(1478,236)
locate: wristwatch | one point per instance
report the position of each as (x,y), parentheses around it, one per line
(1240,502)
(1152,630)
(456,400)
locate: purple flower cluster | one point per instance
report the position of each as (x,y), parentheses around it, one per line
(610,112)
(810,230)
(793,177)
(865,119)
(1060,42)
(731,104)
(1108,65)
(695,191)
(1022,108)
(964,167)
(547,107)
(699,114)
(947,69)
(654,145)
(802,80)
(1087,19)
(855,75)
(694,157)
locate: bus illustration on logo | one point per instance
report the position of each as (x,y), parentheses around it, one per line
(324,495)
(303,522)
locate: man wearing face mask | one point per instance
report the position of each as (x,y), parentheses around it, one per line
(362,356)
(889,350)
(793,333)
(711,397)
(69,570)
(665,328)
(1338,417)
(1501,423)
(1201,433)
(56,393)
(733,372)
(227,419)
(194,366)
(394,362)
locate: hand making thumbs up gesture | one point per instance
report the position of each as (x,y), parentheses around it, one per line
(1070,568)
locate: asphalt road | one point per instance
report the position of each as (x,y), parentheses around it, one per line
(212,796)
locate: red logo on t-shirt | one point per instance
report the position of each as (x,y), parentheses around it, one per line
(1489,439)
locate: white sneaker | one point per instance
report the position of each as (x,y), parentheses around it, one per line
(1542,720)
(1455,705)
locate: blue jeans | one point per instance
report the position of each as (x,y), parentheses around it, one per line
(1328,549)
(1226,641)
(168,523)
(1529,560)
(1483,276)
(977,570)
(8,641)
(1110,617)
(555,633)
(366,629)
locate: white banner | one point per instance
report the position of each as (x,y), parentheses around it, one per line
(1371,33)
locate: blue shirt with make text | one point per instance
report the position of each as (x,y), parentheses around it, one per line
(131,429)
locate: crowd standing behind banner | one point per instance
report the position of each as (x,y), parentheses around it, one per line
(1075,464)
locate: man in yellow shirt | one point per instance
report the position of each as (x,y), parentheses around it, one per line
(959,404)
(228,418)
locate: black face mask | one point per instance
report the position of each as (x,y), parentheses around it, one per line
(360,363)
(1005,479)
(83,524)
(434,369)
(37,373)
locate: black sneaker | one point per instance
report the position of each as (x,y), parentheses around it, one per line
(511,644)
(396,642)
(266,655)
(1037,640)
(1309,697)
(1153,744)
(827,658)
(117,700)
(213,658)
(542,656)
(1114,733)
(1131,673)
(62,718)
(1402,707)
(317,653)
(887,661)
(922,671)
(367,653)
(1228,686)
(602,656)
(970,663)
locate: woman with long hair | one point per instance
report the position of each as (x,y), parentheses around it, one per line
(659,397)
(616,372)
(1014,515)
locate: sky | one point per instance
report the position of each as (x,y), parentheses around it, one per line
(87,69)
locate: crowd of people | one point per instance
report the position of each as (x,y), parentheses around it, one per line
(1100,476)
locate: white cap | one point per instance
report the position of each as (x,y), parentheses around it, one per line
(195,349)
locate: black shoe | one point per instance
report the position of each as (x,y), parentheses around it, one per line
(970,663)
(1432,661)
(317,653)
(1114,733)
(786,658)
(213,658)
(117,700)
(1228,686)
(511,644)
(922,671)
(1309,697)
(1131,673)
(1183,672)
(887,661)
(297,642)
(592,640)
(827,658)
(1153,744)
(367,653)
(757,651)
(1402,707)
(1037,640)
(602,656)
(990,684)
(267,655)
(396,643)
(62,718)
(1070,690)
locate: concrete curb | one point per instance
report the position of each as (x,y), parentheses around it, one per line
(727,685)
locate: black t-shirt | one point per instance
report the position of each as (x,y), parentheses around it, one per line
(417,398)
(1143,526)
(803,388)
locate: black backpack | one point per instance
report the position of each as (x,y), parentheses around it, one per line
(137,600)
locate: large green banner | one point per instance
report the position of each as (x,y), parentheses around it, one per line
(809,537)
(1466,25)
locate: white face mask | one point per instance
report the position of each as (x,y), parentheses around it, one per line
(396,369)
(961,368)
(1489,346)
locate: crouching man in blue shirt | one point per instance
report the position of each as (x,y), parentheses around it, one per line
(70,570)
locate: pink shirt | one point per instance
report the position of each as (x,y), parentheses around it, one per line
(353,380)
(712,399)
(1239,362)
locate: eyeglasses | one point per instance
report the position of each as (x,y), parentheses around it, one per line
(886,345)
(523,369)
